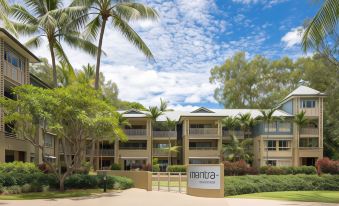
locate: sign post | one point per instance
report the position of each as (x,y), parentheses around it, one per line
(205,180)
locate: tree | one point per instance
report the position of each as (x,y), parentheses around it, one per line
(237,150)
(320,28)
(231,124)
(246,122)
(73,113)
(301,120)
(54,23)
(253,83)
(5,10)
(267,116)
(170,126)
(120,13)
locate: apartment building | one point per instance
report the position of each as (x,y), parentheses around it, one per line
(201,135)
(14,71)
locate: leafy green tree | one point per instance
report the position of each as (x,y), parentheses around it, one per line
(323,25)
(170,126)
(267,117)
(301,120)
(231,123)
(51,21)
(237,150)
(120,13)
(246,123)
(5,10)
(73,113)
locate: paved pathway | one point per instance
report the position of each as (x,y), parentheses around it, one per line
(136,197)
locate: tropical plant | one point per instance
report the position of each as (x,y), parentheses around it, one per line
(237,150)
(268,117)
(51,21)
(301,120)
(120,13)
(246,122)
(231,123)
(5,10)
(170,126)
(323,24)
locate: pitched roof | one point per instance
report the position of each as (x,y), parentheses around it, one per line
(304,91)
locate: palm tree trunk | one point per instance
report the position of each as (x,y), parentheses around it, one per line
(97,69)
(268,131)
(55,81)
(169,152)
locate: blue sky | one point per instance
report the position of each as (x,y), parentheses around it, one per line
(190,38)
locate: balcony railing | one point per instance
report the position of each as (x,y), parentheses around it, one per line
(164,134)
(237,133)
(203,131)
(101,152)
(133,148)
(13,72)
(162,152)
(203,148)
(135,132)
(309,131)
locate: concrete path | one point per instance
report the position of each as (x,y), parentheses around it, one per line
(136,197)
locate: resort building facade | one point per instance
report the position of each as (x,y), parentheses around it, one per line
(199,134)
(14,71)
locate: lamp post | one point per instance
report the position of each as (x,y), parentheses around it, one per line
(105,183)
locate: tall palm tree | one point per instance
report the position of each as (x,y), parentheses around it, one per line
(66,75)
(267,116)
(231,123)
(237,150)
(170,126)
(301,120)
(49,20)
(154,112)
(246,122)
(324,23)
(120,13)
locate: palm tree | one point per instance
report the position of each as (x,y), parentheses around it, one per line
(87,74)
(246,122)
(267,116)
(230,123)
(120,13)
(301,120)
(153,114)
(5,10)
(66,75)
(49,20)
(170,126)
(237,150)
(323,24)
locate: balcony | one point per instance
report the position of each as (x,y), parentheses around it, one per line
(165,134)
(14,73)
(309,131)
(136,133)
(203,148)
(204,152)
(159,152)
(204,132)
(102,152)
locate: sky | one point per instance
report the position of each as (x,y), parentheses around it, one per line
(190,38)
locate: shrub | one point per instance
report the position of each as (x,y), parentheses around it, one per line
(7,180)
(115,166)
(271,183)
(15,189)
(273,170)
(115,182)
(18,168)
(81,181)
(156,168)
(176,168)
(326,165)
(44,168)
(238,168)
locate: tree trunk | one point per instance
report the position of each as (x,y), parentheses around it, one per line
(169,151)
(97,69)
(55,80)
(62,184)
(268,131)
(91,159)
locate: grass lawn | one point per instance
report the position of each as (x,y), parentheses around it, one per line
(305,196)
(51,194)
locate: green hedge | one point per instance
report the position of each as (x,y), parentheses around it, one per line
(115,166)
(272,170)
(236,185)
(18,168)
(176,168)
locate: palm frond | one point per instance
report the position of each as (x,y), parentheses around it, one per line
(75,40)
(136,11)
(21,14)
(324,23)
(131,35)
(34,42)
(92,28)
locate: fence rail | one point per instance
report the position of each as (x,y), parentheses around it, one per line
(309,131)
(135,132)
(164,134)
(169,181)
(203,131)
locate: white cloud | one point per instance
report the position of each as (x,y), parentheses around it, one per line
(292,37)
(266,3)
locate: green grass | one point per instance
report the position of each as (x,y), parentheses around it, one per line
(52,194)
(304,196)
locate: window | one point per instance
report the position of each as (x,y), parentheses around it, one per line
(272,162)
(200,144)
(271,145)
(272,127)
(201,126)
(161,146)
(307,104)
(283,145)
(284,126)
(14,60)
(49,140)
(308,142)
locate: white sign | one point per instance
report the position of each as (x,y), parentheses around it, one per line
(203,177)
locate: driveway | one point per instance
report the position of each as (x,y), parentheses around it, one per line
(135,197)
